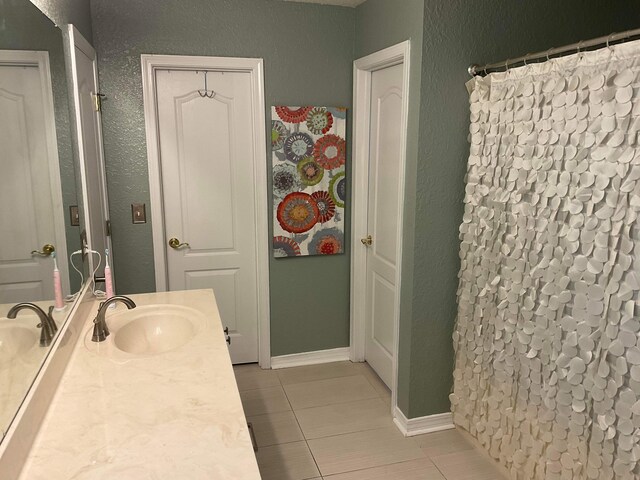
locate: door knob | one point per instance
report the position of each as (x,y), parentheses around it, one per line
(175,244)
(367,240)
(47,249)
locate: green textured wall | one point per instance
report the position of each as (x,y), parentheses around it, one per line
(456,34)
(308,54)
(381,24)
(62,12)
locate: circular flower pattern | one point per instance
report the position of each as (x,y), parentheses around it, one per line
(329,241)
(297,213)
(278,134)
(285,180)
(297,146)
(319,121)
(310,172)
(293,115)
(330,151)
(325,204)
(338,189)
(285,247)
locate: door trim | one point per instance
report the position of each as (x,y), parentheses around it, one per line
(255,67)
(363,69)
(76,40)
(40,60)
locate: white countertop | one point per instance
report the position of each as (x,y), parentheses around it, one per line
(176,415)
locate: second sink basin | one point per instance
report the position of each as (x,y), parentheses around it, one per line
(153,329)
(15,341)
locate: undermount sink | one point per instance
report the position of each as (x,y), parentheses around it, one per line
(15,341)
(153,329)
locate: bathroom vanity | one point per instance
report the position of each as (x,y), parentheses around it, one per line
(156,399)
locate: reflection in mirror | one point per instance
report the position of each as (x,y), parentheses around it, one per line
(37,194)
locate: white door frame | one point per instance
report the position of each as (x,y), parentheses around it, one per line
(253,66)
(363,69)
(76,40)
(40,60)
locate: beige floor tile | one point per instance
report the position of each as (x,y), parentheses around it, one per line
(377,383)
(329,392)
(357,451)
(250,377)
(421,469)
(468,465)
(264,400)
(324,371)
(275,428)
(344,418)
(443,443)
(289,461)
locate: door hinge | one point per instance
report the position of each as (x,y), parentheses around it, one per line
(97,101)
(108,225)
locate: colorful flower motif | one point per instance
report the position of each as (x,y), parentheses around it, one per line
(330,151)
(278,134)
(319,121)
(325,204)
(338,189)
(293,115)
(310,172)
(297,146)
(285,247)
(285,180)
(329,241)
(297,213)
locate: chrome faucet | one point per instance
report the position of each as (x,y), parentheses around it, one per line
(100,329)
(47,323)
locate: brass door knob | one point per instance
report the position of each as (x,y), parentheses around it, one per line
(175,244)
(368,241)
(47,249)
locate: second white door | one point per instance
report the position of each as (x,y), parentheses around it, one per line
(382,219)
(30,193)
(208,189)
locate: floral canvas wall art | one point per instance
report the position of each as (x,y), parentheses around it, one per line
(309,185)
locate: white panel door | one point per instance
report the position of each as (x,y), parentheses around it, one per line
(27,196)
(208,181)
(384,185)
(88,122)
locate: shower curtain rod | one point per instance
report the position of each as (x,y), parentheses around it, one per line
(557,51)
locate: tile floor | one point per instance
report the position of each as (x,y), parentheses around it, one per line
(333,422)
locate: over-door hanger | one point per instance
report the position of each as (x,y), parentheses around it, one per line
(206,93)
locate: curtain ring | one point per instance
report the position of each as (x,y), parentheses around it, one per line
(547,54)
(524,60)
(608,40)
(579,49)
(506,65)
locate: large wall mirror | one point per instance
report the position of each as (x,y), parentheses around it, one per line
(40,203)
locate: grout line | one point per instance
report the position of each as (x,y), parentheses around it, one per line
(303,435)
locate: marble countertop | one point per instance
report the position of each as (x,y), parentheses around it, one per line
(176,415)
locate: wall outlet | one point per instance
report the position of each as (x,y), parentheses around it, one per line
(84,244)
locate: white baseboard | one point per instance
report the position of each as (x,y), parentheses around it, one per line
(417,426)
(310,358)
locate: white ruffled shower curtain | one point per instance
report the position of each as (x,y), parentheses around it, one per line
(547,370)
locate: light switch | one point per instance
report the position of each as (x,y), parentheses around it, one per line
(74,213)
(138,213)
